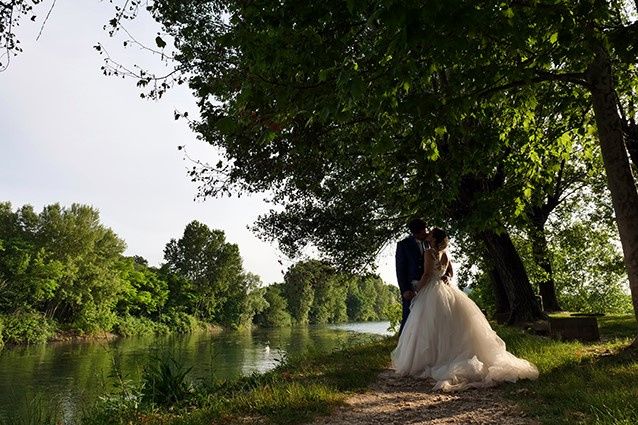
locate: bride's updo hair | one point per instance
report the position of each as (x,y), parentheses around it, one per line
(440,239)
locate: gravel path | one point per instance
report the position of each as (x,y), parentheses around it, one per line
(403,400)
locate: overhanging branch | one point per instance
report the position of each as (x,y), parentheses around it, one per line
(541,77)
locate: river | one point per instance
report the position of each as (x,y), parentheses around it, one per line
(73,374)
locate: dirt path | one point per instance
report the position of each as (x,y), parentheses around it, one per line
(395,400)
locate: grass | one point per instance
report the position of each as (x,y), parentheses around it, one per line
(593,383)
(36,410)
(294,393)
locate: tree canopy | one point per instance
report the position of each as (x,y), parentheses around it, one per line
(357,116)
(360,115)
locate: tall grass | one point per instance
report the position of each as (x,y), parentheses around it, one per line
(33,410)
(165,381)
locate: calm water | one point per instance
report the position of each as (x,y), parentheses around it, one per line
(73,373)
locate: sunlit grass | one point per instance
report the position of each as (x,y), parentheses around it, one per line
(580,383)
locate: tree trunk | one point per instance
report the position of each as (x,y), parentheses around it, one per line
(540,251)
(520,295)
(620,180)
(502,311)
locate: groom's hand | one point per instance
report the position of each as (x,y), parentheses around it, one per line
(408,295)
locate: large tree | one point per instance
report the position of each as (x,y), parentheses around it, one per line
(62,262)
(309,88)
(212,273)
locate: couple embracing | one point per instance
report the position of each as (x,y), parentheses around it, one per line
(443,334)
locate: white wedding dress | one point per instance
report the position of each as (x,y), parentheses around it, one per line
(447,337)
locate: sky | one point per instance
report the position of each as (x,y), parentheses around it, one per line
(69,134)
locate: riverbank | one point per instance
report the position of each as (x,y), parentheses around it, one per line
(594,383)
(31,327)
(296,392)
(579,383)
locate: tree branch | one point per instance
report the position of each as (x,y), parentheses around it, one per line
(543,76)
(45,21)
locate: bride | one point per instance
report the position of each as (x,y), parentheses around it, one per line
(448,338)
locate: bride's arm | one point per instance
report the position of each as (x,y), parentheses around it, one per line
(428,264)
(449,272)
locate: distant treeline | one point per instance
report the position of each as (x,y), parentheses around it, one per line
(62,271)
(315,293)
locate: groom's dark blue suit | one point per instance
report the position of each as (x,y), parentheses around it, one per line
(409,265)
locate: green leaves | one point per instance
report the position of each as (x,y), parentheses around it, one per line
(356,87)
(376,95)
(226,125)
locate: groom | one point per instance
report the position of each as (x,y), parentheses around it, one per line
(409,263)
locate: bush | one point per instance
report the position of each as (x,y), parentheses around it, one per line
(27,327)
(165,382)
(1,336)
(394,313)
(92,320)
(179,321)
(138,326)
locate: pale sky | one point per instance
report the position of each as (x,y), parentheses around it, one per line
(69,134)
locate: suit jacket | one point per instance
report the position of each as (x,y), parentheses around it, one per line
(409,263)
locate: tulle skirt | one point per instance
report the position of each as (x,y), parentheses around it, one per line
(447,338)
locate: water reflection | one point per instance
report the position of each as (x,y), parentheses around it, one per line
(71,374)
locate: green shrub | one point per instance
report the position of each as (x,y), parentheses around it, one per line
(139,326)
(134,326)
(165,382)
(393,312)
(179,322)
(1,328)
(27,327)
(120,406)
(92,320)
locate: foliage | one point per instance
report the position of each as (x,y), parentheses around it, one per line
(94,319)
(38,410)
(244,301)
(394,315)
(61,262)
(120,406)
(358,117)
(179,321)
(28,327)
(213,270)
(62,268)
(583,250)
(589,271)
(298,291)
(165,382)
(317,293)
(128,325)
(276,312)
(11,14)
(146,292)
